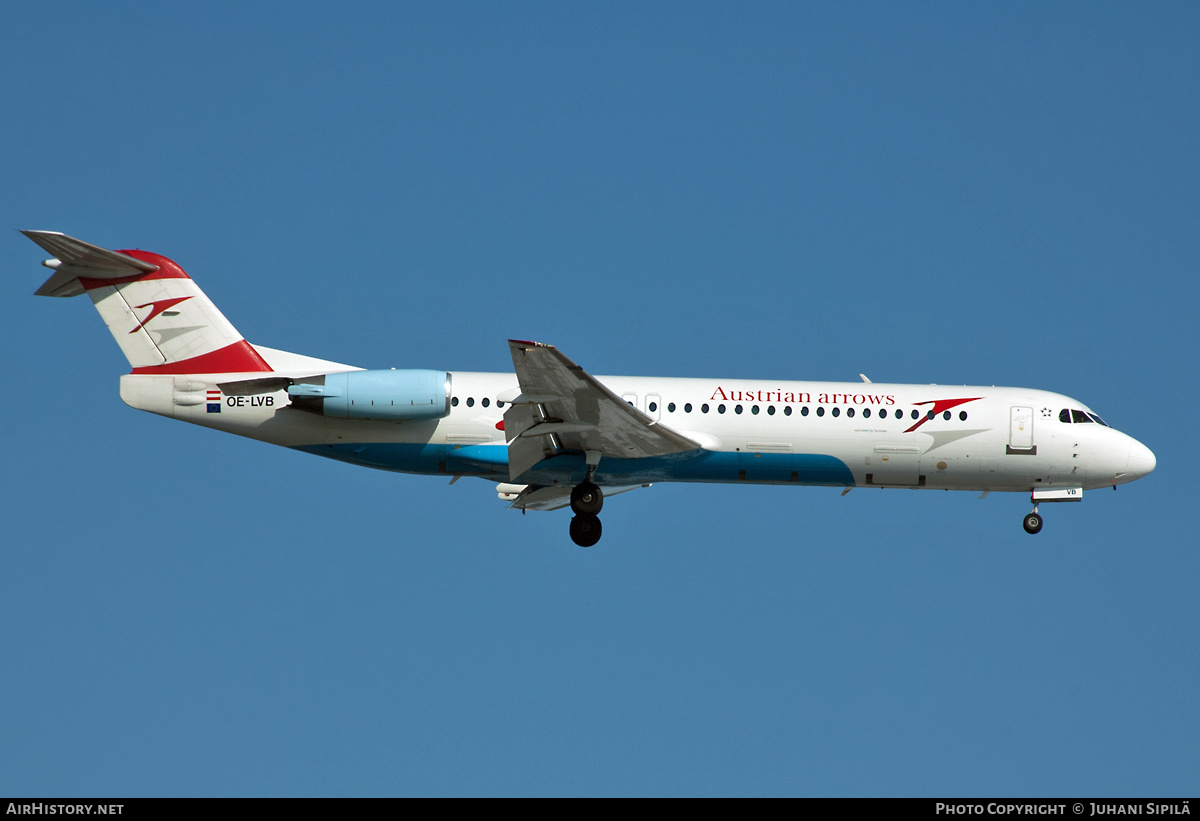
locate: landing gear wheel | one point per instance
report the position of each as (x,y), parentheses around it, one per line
(586,498)
(585,530)
(1033,523)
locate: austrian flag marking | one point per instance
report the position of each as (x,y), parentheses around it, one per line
(214,401)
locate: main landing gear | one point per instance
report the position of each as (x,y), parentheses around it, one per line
(586,501)
(587,498)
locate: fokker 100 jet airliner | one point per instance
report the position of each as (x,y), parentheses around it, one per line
(552,435)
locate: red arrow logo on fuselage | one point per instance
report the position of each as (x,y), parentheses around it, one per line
(939,405)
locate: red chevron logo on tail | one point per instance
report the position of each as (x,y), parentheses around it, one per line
(156,308)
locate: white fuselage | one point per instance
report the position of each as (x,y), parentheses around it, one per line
(752,430)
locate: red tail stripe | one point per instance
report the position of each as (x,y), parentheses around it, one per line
(240,357)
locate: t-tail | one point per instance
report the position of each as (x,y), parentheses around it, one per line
(163,322)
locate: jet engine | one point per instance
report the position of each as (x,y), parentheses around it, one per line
(386,396)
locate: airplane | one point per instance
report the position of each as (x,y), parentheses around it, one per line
(551,435)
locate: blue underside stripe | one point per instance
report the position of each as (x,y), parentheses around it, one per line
(491,461)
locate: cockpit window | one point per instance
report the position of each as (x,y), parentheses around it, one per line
(1073,416)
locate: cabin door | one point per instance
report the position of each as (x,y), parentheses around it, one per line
(1020,431)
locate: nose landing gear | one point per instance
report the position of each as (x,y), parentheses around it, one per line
(1033,521)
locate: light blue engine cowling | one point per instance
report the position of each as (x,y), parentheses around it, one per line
(389,396)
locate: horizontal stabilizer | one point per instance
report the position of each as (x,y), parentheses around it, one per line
(74,258)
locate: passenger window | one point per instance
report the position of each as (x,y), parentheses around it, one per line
(704,408)
(687,408)
(899,413)
(754,410)
(836,411)
(470,401)
(670,407)
(916,413)
(737,408)
(946,415)
(850,412)
(454,402)
(866,413)
(770,410)
(820,411)
(962,415)
(484,401)
(721,408)
(653,407)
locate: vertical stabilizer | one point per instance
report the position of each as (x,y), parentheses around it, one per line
(163,322)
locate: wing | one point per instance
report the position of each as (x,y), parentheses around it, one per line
(563,408)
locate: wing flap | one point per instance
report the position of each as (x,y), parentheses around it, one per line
(533,497)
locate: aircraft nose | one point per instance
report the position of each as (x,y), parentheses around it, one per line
(1141,460)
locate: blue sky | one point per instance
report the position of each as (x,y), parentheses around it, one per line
(964,194)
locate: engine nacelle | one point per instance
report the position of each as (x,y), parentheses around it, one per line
(386,396)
